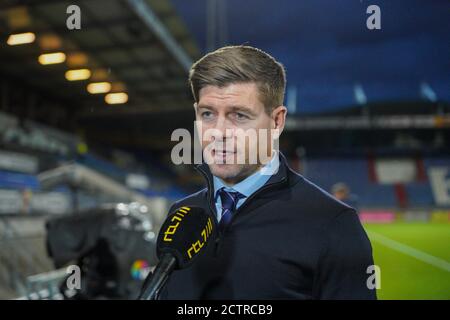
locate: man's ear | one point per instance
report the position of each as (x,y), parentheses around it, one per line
(279,117)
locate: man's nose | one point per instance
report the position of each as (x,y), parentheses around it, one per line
(223,129)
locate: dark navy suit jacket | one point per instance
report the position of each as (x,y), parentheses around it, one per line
(289,240)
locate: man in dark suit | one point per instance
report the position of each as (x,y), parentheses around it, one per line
(279,235)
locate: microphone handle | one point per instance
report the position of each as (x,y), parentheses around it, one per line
(159,277)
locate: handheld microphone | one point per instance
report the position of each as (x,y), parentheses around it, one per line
(183,236)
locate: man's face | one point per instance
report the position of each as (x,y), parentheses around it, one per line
(221,113)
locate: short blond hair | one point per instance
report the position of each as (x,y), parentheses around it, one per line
(241,64)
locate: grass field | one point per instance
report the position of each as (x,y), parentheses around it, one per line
(414,259)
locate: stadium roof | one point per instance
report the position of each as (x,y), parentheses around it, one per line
(140,46)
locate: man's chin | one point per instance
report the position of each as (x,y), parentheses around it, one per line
(225,171)
(231,173)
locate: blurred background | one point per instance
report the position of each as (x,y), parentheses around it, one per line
(90,95)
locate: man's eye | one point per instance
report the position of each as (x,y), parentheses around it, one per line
(241,116)
(206,115)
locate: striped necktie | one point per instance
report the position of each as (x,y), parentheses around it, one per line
(229,202)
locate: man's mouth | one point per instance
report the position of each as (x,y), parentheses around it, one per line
(221,155)
(223,152)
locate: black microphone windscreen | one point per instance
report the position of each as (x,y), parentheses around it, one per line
(185,234)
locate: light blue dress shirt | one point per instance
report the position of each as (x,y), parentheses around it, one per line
(247,186)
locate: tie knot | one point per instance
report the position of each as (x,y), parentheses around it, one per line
(229,198)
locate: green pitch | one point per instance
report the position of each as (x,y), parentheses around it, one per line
(414,259)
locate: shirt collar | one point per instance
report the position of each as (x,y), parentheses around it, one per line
(253,182)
